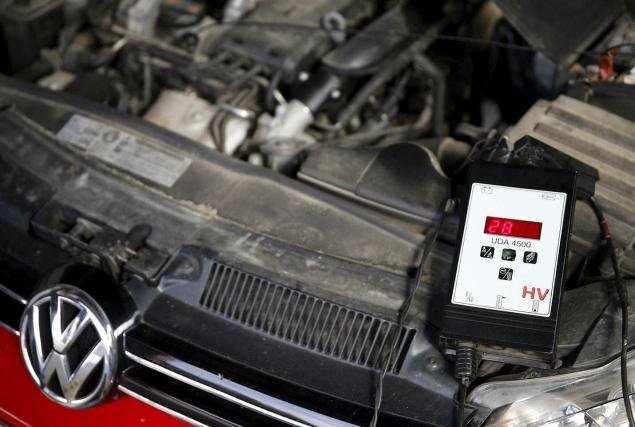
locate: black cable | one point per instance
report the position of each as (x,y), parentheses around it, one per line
(460,405)
(623,296)
(465,367)
(403,313)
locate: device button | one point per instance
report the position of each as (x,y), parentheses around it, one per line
(508,254)
(505,273)
(487,252)
(530,257)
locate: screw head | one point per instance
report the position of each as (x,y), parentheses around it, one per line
(433,363)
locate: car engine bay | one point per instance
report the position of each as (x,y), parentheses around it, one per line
(184,148)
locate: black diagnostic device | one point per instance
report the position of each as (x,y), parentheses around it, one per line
(509,264)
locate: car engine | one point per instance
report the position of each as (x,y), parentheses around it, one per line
(316,149)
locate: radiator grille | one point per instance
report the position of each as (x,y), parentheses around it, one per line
(303,319)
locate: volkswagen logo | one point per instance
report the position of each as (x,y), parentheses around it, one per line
(68,346)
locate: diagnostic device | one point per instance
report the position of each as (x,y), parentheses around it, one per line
(509,265)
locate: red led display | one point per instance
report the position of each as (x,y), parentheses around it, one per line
(513,227)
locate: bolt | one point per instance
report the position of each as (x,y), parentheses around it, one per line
(256,159)
(303,76)
(433,363)
(64,244)
(188,267)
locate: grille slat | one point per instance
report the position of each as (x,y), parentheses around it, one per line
(369,354)
(239,301)
(265,318)
(303,319)
(389,333)
(357,335)
(315,325)
(281,318)
(308,320)
(336,343)
(208,285)
(233,300)
(368,328)
(252,301)
(222,300)
(256,317)
(217,285)
(296,323)
(341,352)
(317,339)
(327,343)
(272,323)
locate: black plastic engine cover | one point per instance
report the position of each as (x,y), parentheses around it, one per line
(283,34)
(404,179)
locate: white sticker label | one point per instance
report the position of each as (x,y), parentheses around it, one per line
(509,252)
(123,150)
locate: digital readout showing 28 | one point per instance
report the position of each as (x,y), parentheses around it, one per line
(513,227)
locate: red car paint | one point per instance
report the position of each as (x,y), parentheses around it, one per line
(23,404)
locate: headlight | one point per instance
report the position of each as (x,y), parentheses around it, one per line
(592,397)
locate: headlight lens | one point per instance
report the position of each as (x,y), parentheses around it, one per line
(591,397)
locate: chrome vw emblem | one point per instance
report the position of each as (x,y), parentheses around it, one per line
(68,346)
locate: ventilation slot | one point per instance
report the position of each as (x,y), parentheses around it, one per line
(303,319)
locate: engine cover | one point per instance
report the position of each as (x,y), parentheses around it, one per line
(604,141)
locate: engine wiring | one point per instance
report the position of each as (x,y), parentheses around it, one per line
(405,309)
(460,405)
(623,297)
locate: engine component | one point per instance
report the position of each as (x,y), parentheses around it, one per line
(73,10)
(235,10)
(366,50)
(28,27)
(94,86)
(184,19)
(289,121)
(604,141)
(283,154)
(282,136)
(58,80)
(183,113)
(190,116)
(615,97)
(561,40)
(403,179)
(338,22)
(142,17)
(509,264)
(286,46)
(318,89)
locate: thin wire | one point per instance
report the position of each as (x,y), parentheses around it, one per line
(623,296)
(411,34)
(403,314)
